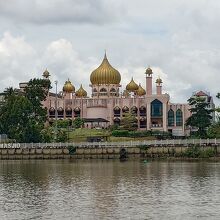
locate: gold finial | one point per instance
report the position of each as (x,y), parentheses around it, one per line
(149,71)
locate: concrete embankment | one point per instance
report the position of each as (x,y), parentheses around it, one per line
(100,152)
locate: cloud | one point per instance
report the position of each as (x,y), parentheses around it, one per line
(178,39)
(59,11)
(16,60)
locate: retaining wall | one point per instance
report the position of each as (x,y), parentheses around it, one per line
(97,152)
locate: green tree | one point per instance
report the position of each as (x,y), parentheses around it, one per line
(129,122)
(22,114)
(214,130)
(17,120)
(78,122)
(36,92)
(201,115)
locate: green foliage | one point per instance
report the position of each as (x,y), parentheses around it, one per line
(144,147)
(120,133)
(129,122)
(22,115)
(62,123)
(197,152)
(78,122)
(36,92)
(214,130)
(201,115)
(47,135)
(114,127)
(161,134)
(126,133)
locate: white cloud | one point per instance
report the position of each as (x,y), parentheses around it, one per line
(179,39)
(59,11)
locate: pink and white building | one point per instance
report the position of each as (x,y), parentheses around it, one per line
(108,103)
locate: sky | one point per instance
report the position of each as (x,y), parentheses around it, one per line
(178,39)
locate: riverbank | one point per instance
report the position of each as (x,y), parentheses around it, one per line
(124,152)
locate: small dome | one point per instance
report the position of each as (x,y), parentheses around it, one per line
(140,91)
(68,87)
(149,71)
(46,74)
(132,86)
(105,74)
(81,92)
(159,81)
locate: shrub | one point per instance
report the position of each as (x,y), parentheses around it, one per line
(197,152)
(120,133)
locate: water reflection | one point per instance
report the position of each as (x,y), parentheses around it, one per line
(95,189)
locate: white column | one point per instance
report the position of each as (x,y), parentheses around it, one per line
(148,116)
(165,116)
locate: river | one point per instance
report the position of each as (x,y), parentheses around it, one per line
(109,189)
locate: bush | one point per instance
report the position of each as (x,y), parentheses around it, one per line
(126,133)
(197,152)
(120,133)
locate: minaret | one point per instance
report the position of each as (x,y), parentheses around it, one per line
(159,86)
(149,73)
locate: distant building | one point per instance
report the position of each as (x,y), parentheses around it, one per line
(208,99)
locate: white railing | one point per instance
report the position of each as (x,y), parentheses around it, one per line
(174,142)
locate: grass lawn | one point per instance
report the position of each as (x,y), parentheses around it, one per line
(81,134)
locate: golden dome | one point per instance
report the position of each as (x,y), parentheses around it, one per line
(159,81)
(68,87)
(140,91)
(46,74)
(105,74)
(81,92)
(149,71)
(132,86)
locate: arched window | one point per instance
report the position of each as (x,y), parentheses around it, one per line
(68,112)
(77,112)
(117,111)
(179,118)
(170,117)
(134,110)
(156,108)
(112,92)
(94,92)
(52,112)
(60,112)
(143,122)
(125,109)
(142,111)
(103,91)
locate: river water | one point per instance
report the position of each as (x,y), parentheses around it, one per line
(109,189)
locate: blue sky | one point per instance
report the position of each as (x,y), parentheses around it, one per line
(179,39)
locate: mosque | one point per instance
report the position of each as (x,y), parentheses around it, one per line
(107,103)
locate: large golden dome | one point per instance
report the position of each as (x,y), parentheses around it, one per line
(68,87)
(105,74)
(81,92)
(140,91)
(132,86)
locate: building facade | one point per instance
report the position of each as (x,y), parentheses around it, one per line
(108,103)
